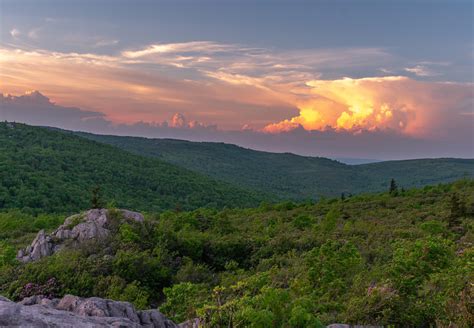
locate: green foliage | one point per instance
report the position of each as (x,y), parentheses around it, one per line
(332,266)
(289,176)
(370,259)
(49,171)
(74,222)
(329,223)
(182,300)
(7,254)
(127,234)
(131,292)
(141,266)
(433,227)
(393,188)
(18,228)
(302,222)
(457,210)
(96,199)
(414,261)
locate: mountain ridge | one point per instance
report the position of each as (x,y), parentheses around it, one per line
(52,171)
(287,175)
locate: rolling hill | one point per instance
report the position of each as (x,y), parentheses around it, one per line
(44,170)
(290,176)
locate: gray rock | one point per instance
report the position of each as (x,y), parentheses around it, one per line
(132,215)
(340,325)
(32,300)
(4,299)
(76,230)
(72,311)
(41,246)
(194,323)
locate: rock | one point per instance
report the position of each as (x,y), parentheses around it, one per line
(133,215)
(72,311)
(40,247)
(194,323)
(36,299)
(76,230)
(340,325)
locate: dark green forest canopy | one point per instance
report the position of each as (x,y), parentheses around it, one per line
(403,259)
(43,170)
(290,176)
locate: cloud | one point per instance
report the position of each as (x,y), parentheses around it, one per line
(395,103)
(179,121)
(386,71)
(35,108)
(272,93)
(105,43)
(127,93)
(420,70)
(15,32)
(34,33)
(183,47)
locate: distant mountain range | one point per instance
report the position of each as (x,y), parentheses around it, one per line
(289,176)
(356,161)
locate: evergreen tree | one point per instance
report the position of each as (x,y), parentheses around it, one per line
(393,187)
(96,200)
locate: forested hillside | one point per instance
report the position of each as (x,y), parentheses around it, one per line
(402,258)
(290,176)
(42,170)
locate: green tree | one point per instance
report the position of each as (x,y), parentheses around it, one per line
(96,200)
(332,266)
(457,210)
(393,188)
(7,254)
(182,300)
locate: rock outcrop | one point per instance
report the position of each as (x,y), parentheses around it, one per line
(77,229)
(72,311)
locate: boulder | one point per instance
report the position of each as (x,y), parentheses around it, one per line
(76,230)
(341,325)
(72,311)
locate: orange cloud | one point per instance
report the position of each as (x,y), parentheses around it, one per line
(395,103)
(127,93)
(267,91)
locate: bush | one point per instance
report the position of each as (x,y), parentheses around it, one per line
(182,300)
(7,254)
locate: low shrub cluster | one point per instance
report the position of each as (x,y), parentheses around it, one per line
(404,259)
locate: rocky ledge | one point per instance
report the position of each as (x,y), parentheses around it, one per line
(72,311)
(77,229)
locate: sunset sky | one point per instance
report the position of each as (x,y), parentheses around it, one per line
(366,79)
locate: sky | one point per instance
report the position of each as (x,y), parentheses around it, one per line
(363,79)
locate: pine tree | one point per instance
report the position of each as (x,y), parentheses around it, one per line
(96,200)
(393,187)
